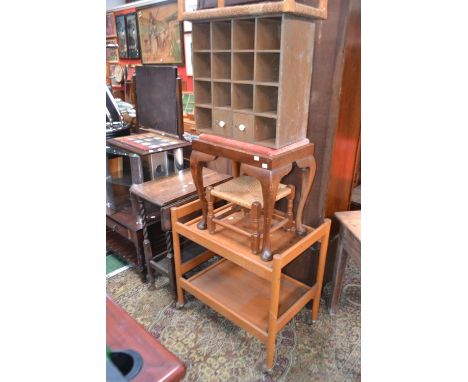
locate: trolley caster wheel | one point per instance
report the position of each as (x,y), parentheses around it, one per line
(179,306)
(266,370)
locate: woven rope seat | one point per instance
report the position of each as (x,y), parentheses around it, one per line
(244,190)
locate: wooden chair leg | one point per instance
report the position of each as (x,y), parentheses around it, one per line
(255,213)
(210,202)
(289,212)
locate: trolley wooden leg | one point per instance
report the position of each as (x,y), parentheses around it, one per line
(273,314)
(178,263)
(321,269)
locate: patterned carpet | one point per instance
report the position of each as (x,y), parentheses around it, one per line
(214,349)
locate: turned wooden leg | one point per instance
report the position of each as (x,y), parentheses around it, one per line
(255,213)
(170,257)
(269,179)
(209,200)
(308,167)
(321,269)
(197,162)
(146,244)
(289,211)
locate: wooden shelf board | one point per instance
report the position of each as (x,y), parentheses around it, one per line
(228,108)
(247,110)
(267,114)
(244,293)
(243,50)
(221,80)
(221,50)
(201,50)
(268,50)
(202,79)
(204,105)
(246,82)
(267,83)
(271,142)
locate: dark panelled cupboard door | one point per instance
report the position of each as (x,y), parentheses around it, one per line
(156,91)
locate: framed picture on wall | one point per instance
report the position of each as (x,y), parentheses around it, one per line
(112,51)
(160,35)
(133,43)
(110,25)
(122,36)
(188,53)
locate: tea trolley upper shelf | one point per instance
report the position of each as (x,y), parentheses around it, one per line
(263,8)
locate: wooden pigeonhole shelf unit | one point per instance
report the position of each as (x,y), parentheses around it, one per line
(252,77)
(252,293)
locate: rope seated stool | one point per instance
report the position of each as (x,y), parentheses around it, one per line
(246,192)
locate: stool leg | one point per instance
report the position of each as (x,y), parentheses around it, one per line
(255,213)
(289,212)
(209,200)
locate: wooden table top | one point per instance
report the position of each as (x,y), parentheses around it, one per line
(170,189)
(123,332)
(351,220)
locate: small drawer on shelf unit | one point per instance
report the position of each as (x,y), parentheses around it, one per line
(221,68)
(267,67)
(242,97)
(243,34)
(243,66)
(243,127)
(222,122)
(268,33)
(202,91)
(201,64)
(221,32)
(201,36)
(203,118)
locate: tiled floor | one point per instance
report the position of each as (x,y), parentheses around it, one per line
(214,349)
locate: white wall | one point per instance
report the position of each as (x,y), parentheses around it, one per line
(114,3)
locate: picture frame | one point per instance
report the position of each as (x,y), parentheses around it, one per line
(110,25)
(133,42)
(160,34)
(120,22)
(188,54)
(112,50)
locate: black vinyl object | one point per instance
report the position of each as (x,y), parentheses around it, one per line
(157,98)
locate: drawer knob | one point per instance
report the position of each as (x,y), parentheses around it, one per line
(241,127)
(222,123)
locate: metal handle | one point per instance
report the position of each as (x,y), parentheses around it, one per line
(221,124)
(241,127)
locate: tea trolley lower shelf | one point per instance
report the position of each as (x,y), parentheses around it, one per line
(252,293)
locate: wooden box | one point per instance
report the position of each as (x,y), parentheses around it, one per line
(252,77)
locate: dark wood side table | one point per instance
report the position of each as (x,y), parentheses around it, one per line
(123,332)
(349,243)
(165,193)
(268,168)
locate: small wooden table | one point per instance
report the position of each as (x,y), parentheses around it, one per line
(349,244)
(123,332)
(165,193)
(268,169)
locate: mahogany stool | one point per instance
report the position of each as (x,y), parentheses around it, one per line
(267,165)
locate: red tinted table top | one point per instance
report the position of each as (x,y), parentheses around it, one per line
(123,332)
